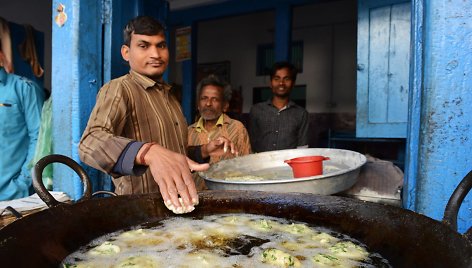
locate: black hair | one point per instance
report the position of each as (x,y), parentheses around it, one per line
(284,64)
(216,81)
(141,25)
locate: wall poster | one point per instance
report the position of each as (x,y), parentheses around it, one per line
(183,44)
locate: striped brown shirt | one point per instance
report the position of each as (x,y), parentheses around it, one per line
(132,108)
(229,128)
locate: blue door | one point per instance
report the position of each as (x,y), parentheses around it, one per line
(383,60)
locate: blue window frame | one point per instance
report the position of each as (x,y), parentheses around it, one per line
(266,58)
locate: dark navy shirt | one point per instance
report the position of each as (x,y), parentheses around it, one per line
(273,129)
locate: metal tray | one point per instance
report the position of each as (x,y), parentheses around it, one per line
(272,174)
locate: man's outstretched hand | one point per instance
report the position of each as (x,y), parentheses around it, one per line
(217,147)
(172,172)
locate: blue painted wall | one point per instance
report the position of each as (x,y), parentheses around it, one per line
(76,77)
(441,110)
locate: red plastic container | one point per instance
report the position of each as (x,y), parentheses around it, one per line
(307,166)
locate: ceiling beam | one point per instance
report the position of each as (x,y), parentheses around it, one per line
(231,8)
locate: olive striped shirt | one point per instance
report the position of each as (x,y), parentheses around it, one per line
(132,108)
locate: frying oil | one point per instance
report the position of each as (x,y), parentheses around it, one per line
(225,240)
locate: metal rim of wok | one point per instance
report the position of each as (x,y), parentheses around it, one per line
(449,219)
(405,238)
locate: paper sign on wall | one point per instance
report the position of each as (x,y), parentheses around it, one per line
(183,44)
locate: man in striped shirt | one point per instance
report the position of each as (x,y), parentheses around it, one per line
(137,132)
(213,97)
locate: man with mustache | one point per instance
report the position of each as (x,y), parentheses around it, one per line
(137,132)
(213,97)
(279,123)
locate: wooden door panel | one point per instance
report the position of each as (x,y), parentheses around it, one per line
(383,68)
(399,63)
(378,64)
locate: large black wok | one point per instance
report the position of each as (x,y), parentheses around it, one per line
(405,238)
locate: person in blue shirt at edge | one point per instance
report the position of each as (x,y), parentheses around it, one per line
(279,123)
(21,102)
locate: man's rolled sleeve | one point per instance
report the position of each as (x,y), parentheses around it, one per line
(100,146)
(125,164)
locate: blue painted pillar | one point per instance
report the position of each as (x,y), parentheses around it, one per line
(441,110)
(76,78)
(283,32)
(189,70)
(116,14)
(414,105)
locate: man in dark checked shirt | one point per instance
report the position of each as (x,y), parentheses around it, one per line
(279,123)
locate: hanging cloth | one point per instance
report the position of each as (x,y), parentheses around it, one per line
(5,43)
(28,51)
(44,143)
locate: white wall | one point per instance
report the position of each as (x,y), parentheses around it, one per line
(328,32)
(235,39)
(37,13)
